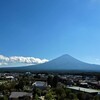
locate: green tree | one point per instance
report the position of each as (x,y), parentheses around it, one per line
(72,96)
(1,98)
(61,94)
(37,91)
(49,80)
(49,96)
(84,96)
(36,97)
(20,85)
(97,97)
(55,81)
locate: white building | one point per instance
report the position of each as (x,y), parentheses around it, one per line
(40,84)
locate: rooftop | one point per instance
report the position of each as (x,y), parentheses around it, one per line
(84,89)
(40,83)
(19,94)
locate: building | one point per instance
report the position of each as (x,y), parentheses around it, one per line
(20,96)
(86,90)
(40,85)
(9,77)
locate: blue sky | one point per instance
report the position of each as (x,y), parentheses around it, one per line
(50,28)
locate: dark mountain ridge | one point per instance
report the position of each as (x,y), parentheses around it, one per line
(64,62)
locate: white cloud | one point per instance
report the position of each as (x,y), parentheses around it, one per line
(2,63)
(4,60)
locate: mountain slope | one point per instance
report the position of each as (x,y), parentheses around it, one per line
(65,62)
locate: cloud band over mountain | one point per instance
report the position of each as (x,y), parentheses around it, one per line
(4,60)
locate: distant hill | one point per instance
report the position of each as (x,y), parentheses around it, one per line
(64,62)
